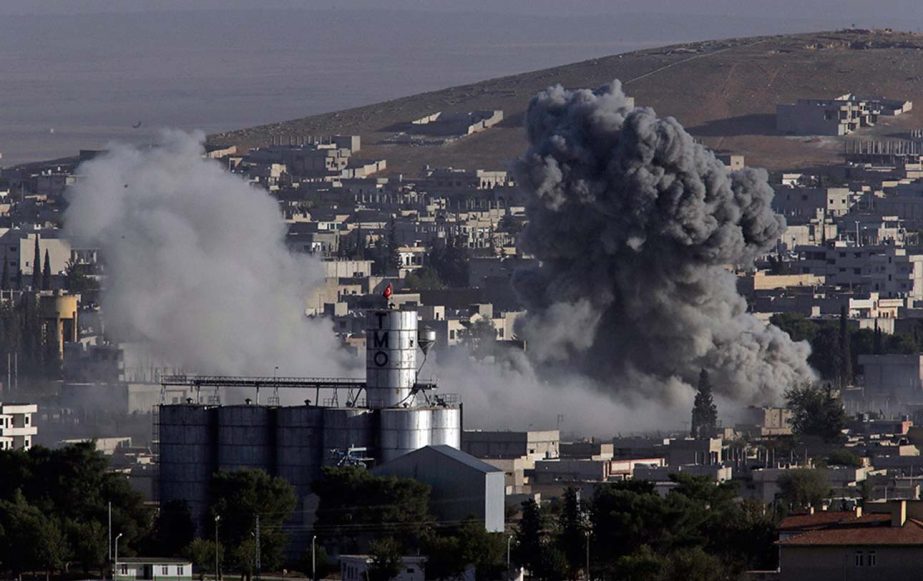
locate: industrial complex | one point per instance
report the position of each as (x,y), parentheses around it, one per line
(373,421)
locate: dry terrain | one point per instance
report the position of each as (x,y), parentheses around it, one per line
(723,91)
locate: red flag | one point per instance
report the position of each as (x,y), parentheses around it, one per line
(388,291)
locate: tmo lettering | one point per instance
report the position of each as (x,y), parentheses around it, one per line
(380,340)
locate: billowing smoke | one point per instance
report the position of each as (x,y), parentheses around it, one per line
(636,226)
(196,263)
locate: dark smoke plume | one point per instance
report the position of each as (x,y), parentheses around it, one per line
(636,226)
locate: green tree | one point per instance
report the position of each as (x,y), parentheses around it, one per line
(816,411)
(393,257)
(386,559)
(243,558)
(356,506)
(803,487)
(424,278)
(844,457)
(693,564)
(451,263)
(844,376)
(46,272)
(572,529)
(798,327)
(535,548)
(202,554)
(321,562)
(480,337)
(36,267)
(530,536)
(642,565)
(239,496)
(704,410)
(173,529)
(486,551)
(444,558)
(88,544)
(31,541)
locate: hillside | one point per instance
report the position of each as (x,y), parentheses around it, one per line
(724,92)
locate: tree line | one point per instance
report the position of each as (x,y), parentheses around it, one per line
(627,531)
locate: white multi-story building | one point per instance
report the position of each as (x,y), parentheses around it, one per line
(887,270)
(17,429)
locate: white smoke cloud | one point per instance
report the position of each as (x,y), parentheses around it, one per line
(509,393)
(196,265)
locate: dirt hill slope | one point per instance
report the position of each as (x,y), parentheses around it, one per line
(724,92)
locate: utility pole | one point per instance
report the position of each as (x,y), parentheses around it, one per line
(257,548)
(314,558)
(117,537)
(109,546)
(217,550)
(588,555)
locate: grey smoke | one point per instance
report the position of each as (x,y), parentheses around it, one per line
(197,270)
(636,225)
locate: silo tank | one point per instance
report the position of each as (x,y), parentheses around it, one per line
(245,438)
(391,357)
(447,427)
(404,430)
(346,428)
(299,445)
(187,454)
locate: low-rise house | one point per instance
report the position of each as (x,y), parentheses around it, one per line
(884,543)
(137,568)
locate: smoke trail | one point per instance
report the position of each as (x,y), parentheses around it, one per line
(196,264)
(635,225)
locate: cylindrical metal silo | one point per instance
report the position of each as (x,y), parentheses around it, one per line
(404,430)
(187,454)
(346,428)
(391,357)
(299,446)
(246,437)
(446,426)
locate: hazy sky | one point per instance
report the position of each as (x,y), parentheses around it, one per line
(897,10)
(77,73)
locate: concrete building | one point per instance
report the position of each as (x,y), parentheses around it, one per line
(17,428)
(682,451)
(891,272)
(801,204)
(894,378)
(841,115)
(766,421)
(462,486)
(18,248)
(509,444)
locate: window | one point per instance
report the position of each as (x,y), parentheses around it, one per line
(179,570)
(859,559)
(123,569)
(165,570)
